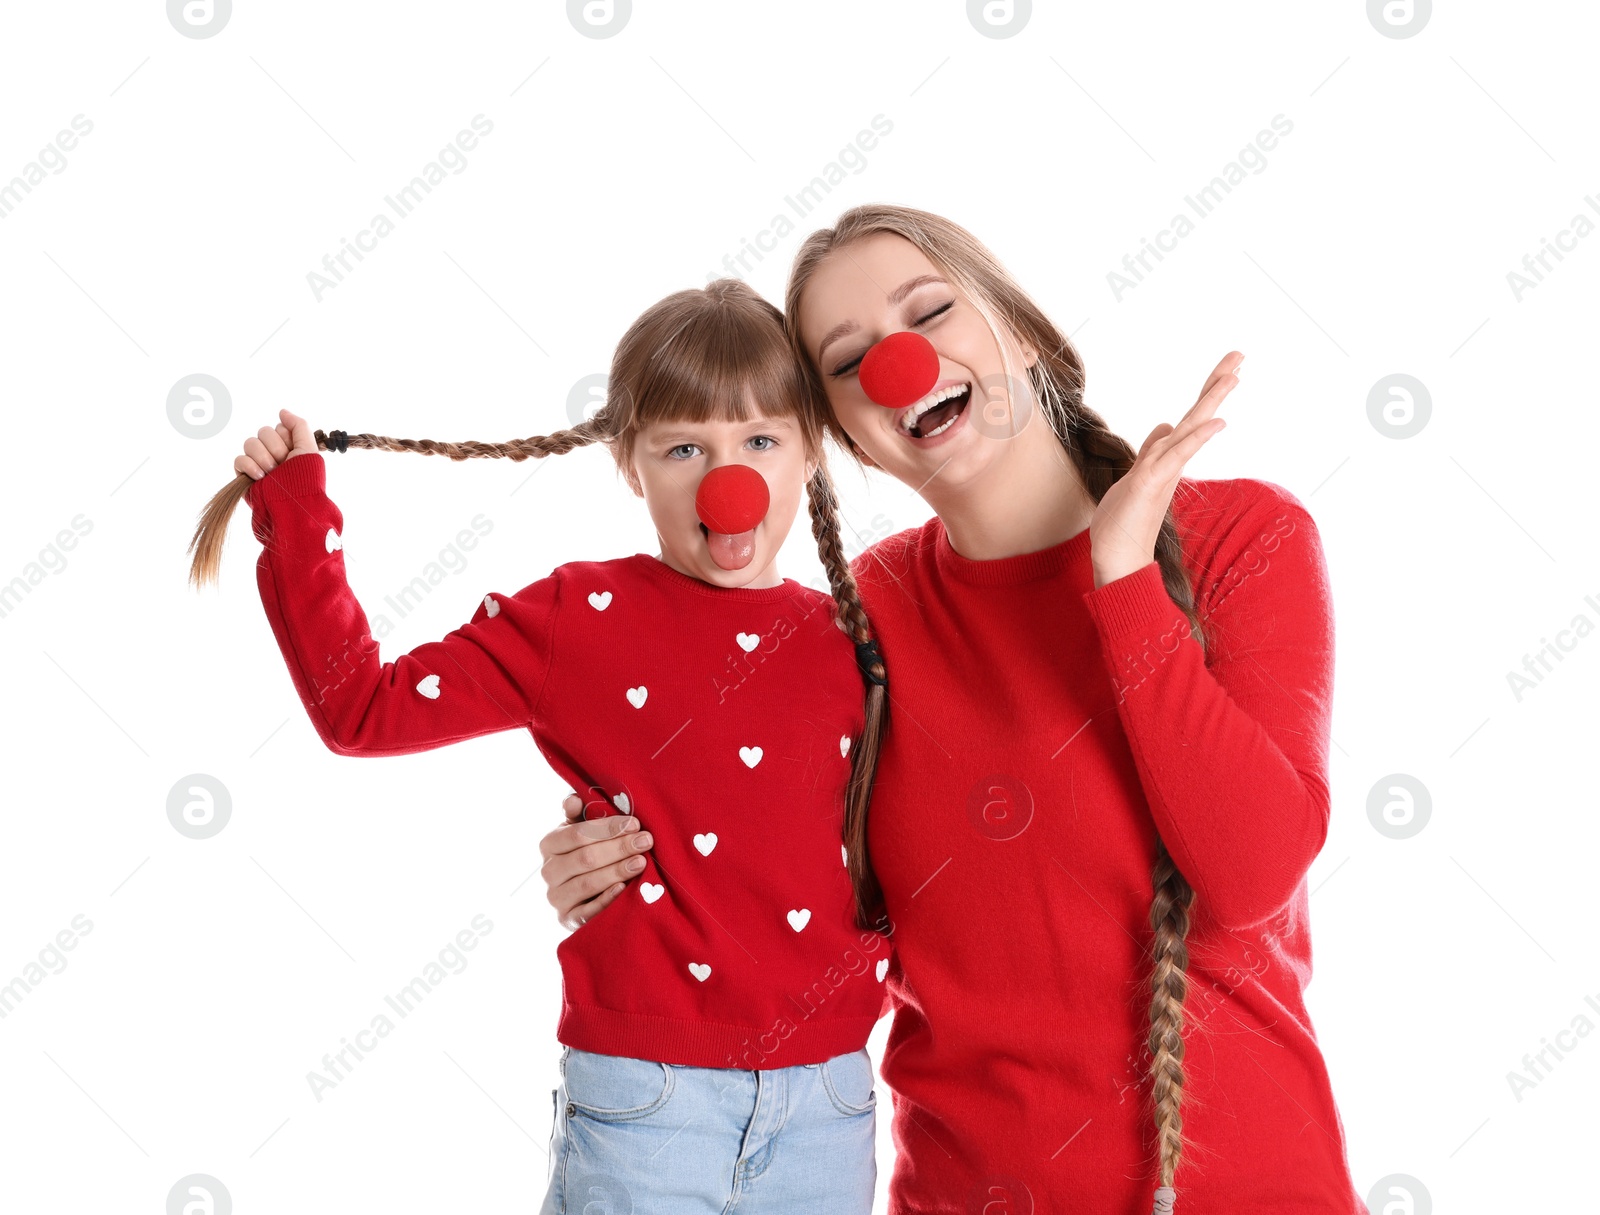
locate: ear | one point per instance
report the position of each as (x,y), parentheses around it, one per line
(1030,356)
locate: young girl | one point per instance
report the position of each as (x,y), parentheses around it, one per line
(729,996)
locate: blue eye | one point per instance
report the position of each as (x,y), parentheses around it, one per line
(678,448)
(765,438)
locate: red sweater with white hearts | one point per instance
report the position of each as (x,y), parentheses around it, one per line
(721,718)
(1042,731)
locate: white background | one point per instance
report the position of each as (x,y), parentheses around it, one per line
(219,172)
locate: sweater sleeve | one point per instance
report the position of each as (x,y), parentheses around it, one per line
(1231,744)
(484,677)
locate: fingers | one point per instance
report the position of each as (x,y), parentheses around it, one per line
(575,837)
(1230,362)
(1200,413)
(298,434)
(572,804)
(587,885)
(258,452)
(584,912)
(1160,432)
(1168,467)
(245,464)
(276,444)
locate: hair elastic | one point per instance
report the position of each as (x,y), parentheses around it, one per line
(338,441)
(868,655)
(1165,1197)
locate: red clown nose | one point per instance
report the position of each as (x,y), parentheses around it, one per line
(731,500)
(900,370)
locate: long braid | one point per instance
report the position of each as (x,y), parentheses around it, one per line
(1103,458)
(212,529)
(852,618)
(1169,918)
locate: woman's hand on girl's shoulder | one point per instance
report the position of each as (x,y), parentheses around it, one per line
(272,445)
(588,863)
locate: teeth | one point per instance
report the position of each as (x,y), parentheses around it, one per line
(933,399)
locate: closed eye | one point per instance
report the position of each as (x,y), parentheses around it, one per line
(847,368)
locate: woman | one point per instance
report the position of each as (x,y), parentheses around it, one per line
(1104,774)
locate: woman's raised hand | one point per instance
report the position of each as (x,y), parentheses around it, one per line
(1123,530)
(272,445)
(587,864)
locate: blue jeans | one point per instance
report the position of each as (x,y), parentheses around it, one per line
(632,1137)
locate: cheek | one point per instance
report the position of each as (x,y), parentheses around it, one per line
(858,415)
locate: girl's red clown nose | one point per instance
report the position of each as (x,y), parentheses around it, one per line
(731,501)
(900,370)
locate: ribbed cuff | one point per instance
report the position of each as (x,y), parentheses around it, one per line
(299,477)
(1135,603)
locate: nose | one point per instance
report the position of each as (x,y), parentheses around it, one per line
(732,498)
(900,369)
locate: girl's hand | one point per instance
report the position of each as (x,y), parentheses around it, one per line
(587,864)
(272,445)
(1125,525)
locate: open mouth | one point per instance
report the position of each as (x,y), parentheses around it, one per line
(936,412)
(730,552)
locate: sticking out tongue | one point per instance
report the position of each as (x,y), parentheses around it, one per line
(731,501)
(732,552)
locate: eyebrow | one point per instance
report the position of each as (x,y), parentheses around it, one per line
(844,328)
(682,434)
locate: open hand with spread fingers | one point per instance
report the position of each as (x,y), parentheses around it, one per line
(1125,525)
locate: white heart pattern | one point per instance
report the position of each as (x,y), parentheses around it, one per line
(636,696)
(333,540)
(844,855)
(703,844)
(799,919)
(748,641)
(651,891)
(750,755)
(844,745)
(622,803)
(429,687)
(490,607)
(700,971)
(883,968)
(599,600)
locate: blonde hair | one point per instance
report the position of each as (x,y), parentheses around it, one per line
(695,355)
(1101,458)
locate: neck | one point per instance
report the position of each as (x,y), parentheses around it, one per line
(1031,499)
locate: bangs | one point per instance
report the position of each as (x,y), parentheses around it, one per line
(723,364)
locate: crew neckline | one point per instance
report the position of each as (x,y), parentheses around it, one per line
(744,594)
(1007,571)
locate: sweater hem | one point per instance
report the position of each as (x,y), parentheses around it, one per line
(606,1031)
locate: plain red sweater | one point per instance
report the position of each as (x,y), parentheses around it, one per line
(722,719)
(1041,732)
